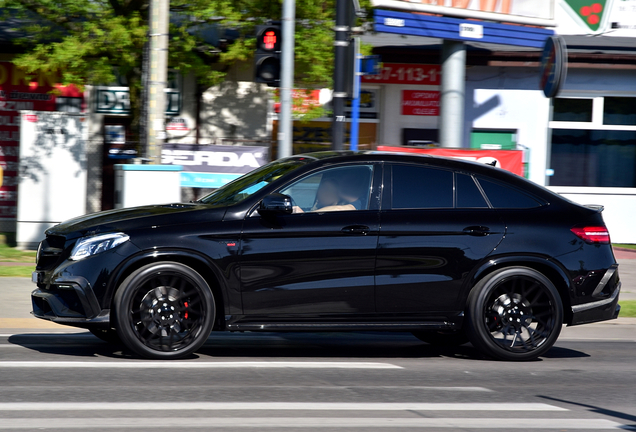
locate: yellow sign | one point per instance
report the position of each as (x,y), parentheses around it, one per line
(1,176)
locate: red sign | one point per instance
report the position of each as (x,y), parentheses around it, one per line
(302,100)
(509,160)
(18,93)
(405,73)
(423,103)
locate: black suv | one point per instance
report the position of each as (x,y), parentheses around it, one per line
(451,251)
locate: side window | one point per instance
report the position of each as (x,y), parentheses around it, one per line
(416,187)
(502,196)
(333,189)
(468,194)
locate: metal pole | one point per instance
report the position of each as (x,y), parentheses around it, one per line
(285,132)
(355,102)
(453,88)
(339,92)
(158,72)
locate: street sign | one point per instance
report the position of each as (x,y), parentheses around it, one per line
(553,66)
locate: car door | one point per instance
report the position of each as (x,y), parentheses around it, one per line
(436,225)
(314,262)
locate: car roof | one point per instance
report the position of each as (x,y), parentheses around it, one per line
(335,157)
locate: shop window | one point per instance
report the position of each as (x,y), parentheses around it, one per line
(619,111)
(594,158)
(572,110)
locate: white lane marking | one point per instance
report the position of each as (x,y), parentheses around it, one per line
(194,365)
(316,422)
(275,406)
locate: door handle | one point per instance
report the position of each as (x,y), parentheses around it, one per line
(356,229)
(477,230)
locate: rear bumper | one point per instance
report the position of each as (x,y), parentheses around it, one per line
(600,310)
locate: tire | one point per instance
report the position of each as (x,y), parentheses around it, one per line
(514,314)
(164,311)
(107,335)
(442,338)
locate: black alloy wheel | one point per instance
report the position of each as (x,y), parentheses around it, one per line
(514,313)
(164,311)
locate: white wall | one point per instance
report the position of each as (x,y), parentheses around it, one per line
(237,108)
(620,206)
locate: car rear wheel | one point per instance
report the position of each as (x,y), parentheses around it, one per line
(514,313)
(164,311)
(442,338)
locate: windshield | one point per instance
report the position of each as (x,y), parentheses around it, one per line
(250,183)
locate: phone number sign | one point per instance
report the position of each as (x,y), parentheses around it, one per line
(405,73)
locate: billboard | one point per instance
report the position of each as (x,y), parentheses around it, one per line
(18,93)
(606,17)
(212,166)
(529,12)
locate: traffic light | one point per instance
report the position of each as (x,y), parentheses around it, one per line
(268,43)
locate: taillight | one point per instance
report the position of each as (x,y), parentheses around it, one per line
(592,234)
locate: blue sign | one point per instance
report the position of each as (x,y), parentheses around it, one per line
(553,66)
(206,180)
(412,24)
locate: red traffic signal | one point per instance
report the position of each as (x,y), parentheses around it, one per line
(268,38)
(267,56)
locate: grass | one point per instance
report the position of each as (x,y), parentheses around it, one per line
(628,308)
(10,254)
(625,246)
(16,271)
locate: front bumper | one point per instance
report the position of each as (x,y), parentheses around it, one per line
(69,301)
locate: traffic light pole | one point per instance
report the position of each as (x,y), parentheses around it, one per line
(286,80)
(339,92)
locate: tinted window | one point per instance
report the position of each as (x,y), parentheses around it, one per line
(468,194)
(619,111)
(501,196)
(421,187)
(333,189)
(573,110)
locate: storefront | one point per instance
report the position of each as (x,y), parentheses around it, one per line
(581,144)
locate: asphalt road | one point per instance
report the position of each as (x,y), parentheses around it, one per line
(57,378)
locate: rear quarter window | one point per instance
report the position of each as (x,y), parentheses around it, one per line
(505,196)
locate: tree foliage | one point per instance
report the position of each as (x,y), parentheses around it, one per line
(86,41)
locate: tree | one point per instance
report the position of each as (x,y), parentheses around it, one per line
(86,41)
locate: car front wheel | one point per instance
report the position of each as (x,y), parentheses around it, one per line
(164,311)
(514,313)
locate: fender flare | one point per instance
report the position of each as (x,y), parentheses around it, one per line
(169,254)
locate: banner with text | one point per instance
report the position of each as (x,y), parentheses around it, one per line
(212,166)
(18,92)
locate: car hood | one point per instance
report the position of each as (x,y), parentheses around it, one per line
(135,217)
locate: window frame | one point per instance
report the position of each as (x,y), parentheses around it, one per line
(373,200)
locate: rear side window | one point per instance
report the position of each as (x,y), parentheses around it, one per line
(468,194)
(416,187)
(503,196)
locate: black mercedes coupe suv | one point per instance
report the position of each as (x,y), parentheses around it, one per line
(449,250)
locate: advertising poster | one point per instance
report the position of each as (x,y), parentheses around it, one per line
(19,93)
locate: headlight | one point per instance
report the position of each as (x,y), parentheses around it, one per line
(88,246)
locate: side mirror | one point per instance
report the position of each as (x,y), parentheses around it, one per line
(276,203)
